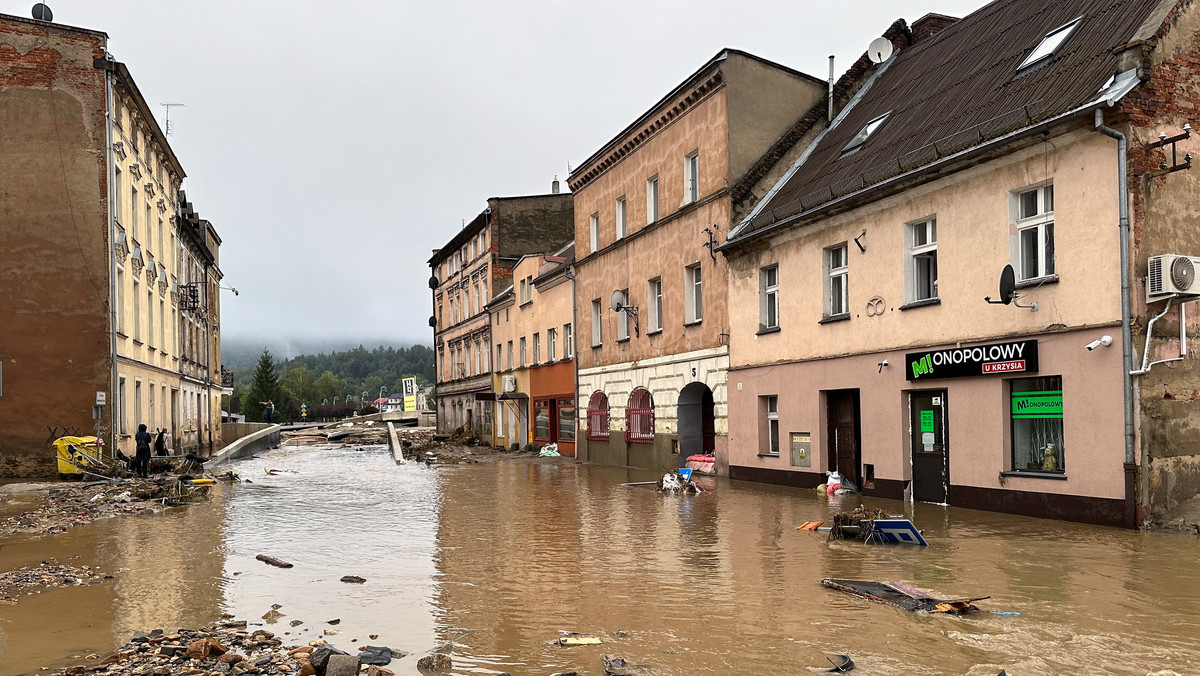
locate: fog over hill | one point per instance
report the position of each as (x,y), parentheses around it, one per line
(243,351)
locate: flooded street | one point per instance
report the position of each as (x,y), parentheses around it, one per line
(497,558)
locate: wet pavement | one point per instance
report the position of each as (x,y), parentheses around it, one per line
(497,558)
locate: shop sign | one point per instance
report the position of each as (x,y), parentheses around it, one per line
(1037,404)
(961,362)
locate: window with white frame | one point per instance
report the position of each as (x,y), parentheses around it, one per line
(133,214)
(484,355)
(922,272)
(768,310)
(654,298)
(568,342)
(652,199)
(623,320)
(1035,232)
(597,317)
(526,290)
(866,132)
(620,211)
(691,177)
(537,348)
(693,284)
(837,295)
(524,356)
(770,408)
(119,193)
(594,230)
(499,356)
(551,344)
(510,355)
(120,301)
(137,310)
(1050,44)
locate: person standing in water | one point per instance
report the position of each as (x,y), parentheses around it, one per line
(141,460)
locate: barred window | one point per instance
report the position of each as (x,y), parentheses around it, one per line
(639,417)
(598,418)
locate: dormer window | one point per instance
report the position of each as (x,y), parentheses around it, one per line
(866,133)
(1050,44)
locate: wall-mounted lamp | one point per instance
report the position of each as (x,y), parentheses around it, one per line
(861,248)
(619,303)
(711,244)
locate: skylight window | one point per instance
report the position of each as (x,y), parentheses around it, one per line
(866,133)
(1050,44)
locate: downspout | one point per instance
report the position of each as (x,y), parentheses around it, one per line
(574,355)
(1126,330)
(112,262)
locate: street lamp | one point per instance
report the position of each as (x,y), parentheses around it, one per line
(382,389)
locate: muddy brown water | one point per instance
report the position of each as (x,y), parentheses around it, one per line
(493,560)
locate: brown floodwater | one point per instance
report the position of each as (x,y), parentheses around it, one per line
(491,561)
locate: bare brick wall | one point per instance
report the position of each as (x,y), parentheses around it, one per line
(54,320)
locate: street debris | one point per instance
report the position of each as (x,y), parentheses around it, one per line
(353,579)
(549,451)
(278,563)
(571,638)
(615,666)
(28,580)
(869,525)
(71,504)
(842,664)
(678,481)
(904,597)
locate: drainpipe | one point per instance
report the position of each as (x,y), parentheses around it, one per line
(574,355)
(1126,331)
(112,264)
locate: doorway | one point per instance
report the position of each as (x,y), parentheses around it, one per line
(845,449)
(930,446)
(697,426)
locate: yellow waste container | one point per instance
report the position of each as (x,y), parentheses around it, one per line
(76,454)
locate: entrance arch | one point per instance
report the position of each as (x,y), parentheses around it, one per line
(697,430)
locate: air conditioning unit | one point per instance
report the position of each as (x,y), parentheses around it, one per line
(509,383)
(1171,275)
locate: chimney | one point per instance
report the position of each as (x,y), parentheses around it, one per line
(554,186)
(930,25)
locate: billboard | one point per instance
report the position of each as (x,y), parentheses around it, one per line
(410,394)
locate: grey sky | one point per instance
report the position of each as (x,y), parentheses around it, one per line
(334,145)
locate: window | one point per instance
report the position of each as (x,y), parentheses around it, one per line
(150,417)
(537,348)
(651,199)
(118,194)
(527,290)
(594,230)
(922,270)
(768,311)
(510,355)
(623,320)
(551,344)
(837,296)
(770,408)
(639,417)
(598,418)
(137,401)
(620,217)
(133,214)
(1036,410)
(478,358)
(1050,44)
(866,132)
(568,342)
(654,299)
(597,317)
(499,356)
(1035,232)
(691,177)
(523,359)
(122,412)
(694,301)
(566,420)
(137,310)
(150,315)
(120,301)
(162,325)
(541,420)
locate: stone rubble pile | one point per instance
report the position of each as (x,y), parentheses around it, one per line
(78,504)
(46,575)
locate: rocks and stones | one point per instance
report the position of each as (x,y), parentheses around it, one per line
(437,662)
(615,666)
(342,665)
(320,655)
(334,621)
(46,575)
(278,563)
(380,671)
(272,616)
(353,579)
(69,505)
(379,655)
(296,623)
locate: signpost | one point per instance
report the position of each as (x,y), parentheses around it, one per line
(410,393)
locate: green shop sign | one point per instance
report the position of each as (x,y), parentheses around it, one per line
(1037,404)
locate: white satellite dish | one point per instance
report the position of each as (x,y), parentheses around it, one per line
(617,301)
(879,50)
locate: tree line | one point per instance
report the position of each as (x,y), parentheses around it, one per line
(327,385)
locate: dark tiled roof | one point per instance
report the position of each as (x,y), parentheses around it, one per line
(960,87)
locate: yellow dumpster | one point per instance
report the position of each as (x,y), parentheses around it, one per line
(76,454)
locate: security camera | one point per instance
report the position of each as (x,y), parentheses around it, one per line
(1102,340)
(885,363)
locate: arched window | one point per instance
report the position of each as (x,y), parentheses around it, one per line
(639,417)
(598,417)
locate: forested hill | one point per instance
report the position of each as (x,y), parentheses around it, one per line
(388,364)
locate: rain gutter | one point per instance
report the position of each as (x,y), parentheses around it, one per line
(115,403)
(1126,329)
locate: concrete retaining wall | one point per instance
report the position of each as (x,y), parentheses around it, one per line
(394,445)
(235,431)
(262,440)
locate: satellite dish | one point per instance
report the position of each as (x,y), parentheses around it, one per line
(42,13)
(617,301)
(879,50)
(1008,284)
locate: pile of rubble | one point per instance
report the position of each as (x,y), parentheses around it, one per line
(417,437)
(70,505)
(230,648)
(46,575)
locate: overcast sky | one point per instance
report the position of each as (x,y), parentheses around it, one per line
(334,145)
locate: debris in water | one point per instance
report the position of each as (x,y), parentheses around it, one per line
(903,596)
(278,563)
(353,579)
(437,662)
(841,665)
(335,622)
(615,666)
(272,616)
(678,482)
(27,579)
(573,638)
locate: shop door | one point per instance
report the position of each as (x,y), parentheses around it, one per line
(930,449)
(845,452)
